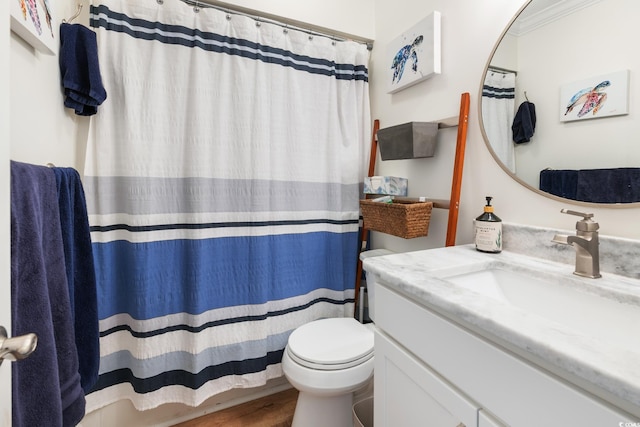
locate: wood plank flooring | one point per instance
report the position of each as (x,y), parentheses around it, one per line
(275,410)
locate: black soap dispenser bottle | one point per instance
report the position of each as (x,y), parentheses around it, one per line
(488,230)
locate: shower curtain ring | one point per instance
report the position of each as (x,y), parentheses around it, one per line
(196,7)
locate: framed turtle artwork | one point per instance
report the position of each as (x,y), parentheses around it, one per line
(414,55)
(33,21)
(595,97)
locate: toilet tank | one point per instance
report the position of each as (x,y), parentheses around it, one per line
(371,278)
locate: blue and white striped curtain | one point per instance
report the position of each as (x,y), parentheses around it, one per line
(498,111)
(222,179)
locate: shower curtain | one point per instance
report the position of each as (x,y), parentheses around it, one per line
(498,110)
(222,176)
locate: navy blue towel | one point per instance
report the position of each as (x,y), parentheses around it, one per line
(524,123)
(46,386)
(614,185)
(561,183)
(81,276)
(80,69)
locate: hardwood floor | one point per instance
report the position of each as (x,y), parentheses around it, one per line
(275,410)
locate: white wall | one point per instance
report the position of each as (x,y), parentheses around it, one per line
(469,32)
(506,54)
(42,131)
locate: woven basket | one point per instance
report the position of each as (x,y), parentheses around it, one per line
(404,219)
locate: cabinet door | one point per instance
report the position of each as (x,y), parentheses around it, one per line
(407,393)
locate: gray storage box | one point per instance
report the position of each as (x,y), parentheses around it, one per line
(408,141)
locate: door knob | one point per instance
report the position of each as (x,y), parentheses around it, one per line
(16,348)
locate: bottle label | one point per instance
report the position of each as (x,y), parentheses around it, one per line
(488,236)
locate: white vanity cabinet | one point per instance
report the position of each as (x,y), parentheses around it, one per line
(432,371)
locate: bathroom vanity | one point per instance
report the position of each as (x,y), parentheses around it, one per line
(459,343)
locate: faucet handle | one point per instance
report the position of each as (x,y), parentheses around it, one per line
(586,223)
(576,213)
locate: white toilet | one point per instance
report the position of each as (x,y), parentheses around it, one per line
(327,360)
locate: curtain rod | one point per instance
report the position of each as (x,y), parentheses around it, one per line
(285,23)
(501,70)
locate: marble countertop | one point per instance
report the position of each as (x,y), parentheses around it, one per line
(609,371)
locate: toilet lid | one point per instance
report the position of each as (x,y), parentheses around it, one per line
(331,344)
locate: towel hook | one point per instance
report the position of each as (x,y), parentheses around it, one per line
(525,96)
(75,15)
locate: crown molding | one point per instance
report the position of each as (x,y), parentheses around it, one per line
(527,22)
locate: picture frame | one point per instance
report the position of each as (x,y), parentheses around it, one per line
(600,96)
(34,22)
(415,55)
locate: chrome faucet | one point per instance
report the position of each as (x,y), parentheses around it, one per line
(585,243)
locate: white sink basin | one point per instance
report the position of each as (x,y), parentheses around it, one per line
(610,321)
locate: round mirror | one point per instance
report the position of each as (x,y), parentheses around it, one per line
(558,100)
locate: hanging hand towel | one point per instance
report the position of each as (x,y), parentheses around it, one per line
(46,386)
(524,123)
(80,70)
(81,277)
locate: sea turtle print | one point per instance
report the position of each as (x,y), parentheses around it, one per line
(32,8)
(591,99)
(400,60)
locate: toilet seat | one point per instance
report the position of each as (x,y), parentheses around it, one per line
(331,344)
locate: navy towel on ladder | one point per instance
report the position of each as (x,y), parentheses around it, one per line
(46,386)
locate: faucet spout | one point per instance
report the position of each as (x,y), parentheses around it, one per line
(587,255)
(586,244)
(561,239)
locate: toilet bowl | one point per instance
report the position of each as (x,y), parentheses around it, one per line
(326,361)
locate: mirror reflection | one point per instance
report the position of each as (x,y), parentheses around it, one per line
(559,99)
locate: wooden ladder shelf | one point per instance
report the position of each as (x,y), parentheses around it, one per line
(453,204)
(458,164)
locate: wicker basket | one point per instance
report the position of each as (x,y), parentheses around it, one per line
(404,219)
